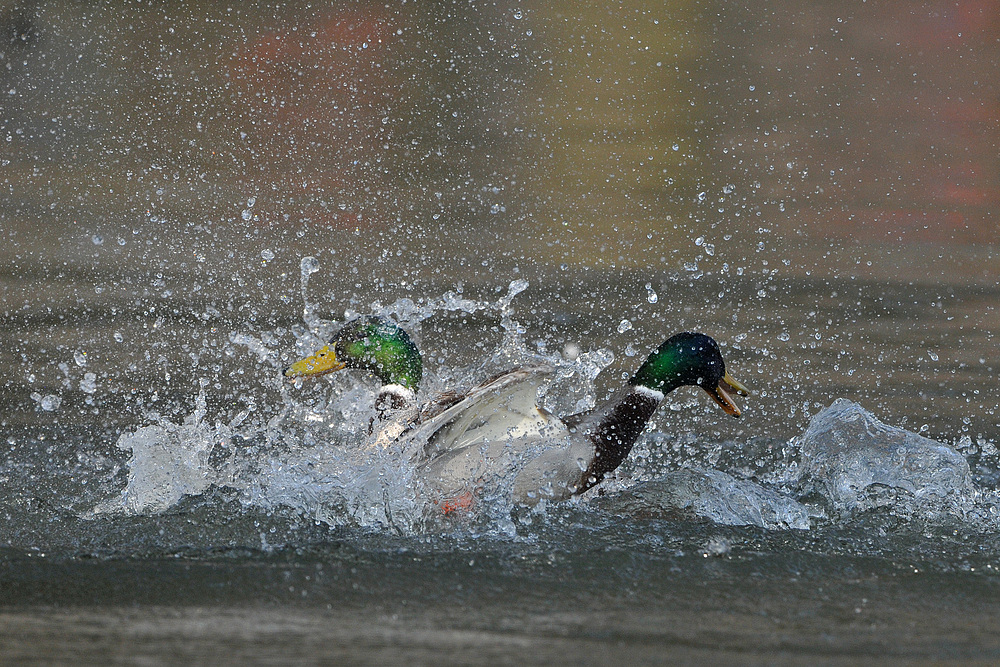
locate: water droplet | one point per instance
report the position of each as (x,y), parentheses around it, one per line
(80,357)
(717,546)
(624,326)
(933,355)
(783,336)
(308,266)
(88,384)
(247,214)
(268,255)
(49,402)
(517,286)
(651,294)
(97,239)
(118,336)
(518,14)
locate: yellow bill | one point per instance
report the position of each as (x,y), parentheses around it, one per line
(321,363)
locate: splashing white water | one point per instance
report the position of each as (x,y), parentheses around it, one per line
(315,455)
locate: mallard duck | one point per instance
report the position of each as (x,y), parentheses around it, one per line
(497,428)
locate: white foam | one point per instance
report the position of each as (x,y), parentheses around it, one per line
(646,391)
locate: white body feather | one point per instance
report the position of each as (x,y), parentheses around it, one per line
(497,429)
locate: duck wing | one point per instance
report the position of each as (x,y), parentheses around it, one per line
(502,408)
(499,432)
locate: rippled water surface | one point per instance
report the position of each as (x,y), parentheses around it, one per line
(194,198)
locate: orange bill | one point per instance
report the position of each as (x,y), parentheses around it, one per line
(721,394)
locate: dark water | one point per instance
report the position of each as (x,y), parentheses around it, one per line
(815,186)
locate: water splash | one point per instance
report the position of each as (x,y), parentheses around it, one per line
(858,463)
(714,495)
(315,454)
(307,267)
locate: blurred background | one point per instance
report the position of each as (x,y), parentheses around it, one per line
(817,184)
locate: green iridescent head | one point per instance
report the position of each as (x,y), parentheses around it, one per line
(690,359)
(374,344)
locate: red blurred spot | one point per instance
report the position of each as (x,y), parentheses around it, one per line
(313,100)
(459,504)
